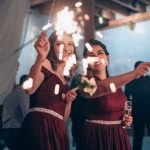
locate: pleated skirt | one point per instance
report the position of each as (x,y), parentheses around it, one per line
(41,131)
(103,137)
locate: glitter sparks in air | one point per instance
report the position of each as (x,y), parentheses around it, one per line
(65,23)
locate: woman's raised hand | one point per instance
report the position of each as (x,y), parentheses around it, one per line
(42,46)
(142,69)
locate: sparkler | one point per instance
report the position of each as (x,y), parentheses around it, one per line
(48,25)
(73,57)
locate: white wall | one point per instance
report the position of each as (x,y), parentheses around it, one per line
(127,46)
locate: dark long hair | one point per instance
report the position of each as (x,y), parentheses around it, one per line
(96,42)
(51,55)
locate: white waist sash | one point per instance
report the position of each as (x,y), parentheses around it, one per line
(48,111)
(105,122)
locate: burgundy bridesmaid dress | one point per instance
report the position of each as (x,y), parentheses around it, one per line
(42,130)
(97,136)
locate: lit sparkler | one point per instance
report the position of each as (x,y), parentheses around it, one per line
(49,25)
(89,47)
(61,51)
(65,23)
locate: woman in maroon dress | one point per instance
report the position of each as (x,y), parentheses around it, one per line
(44,127)
(102,129)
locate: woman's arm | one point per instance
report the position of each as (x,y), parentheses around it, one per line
(103,87)
(42,47)
(70,96)
(67,111)
(36,74)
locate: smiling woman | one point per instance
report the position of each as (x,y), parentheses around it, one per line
(51,98)
(102,111)
(63,46)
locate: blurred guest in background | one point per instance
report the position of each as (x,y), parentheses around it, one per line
(138,91)
(15,108)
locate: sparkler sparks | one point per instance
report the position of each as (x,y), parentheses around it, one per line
(56,91)
(27,84)
(99,34)
(78,4)
(102,61)
(85,66)
(69,63)
(89,47)
(91,60)
(113,87)
(61,51)
(65,23)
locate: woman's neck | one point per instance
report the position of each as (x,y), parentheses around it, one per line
(101,74)
(60,68)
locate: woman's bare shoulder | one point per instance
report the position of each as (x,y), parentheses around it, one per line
(47,65)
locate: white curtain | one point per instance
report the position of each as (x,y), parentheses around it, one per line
(13,22)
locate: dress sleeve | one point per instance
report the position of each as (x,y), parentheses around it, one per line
(46,72)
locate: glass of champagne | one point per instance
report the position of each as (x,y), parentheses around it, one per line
(127,112)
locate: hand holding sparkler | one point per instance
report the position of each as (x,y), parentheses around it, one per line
(42,46)
(142,69)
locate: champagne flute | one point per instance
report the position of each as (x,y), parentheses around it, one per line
(127,112)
